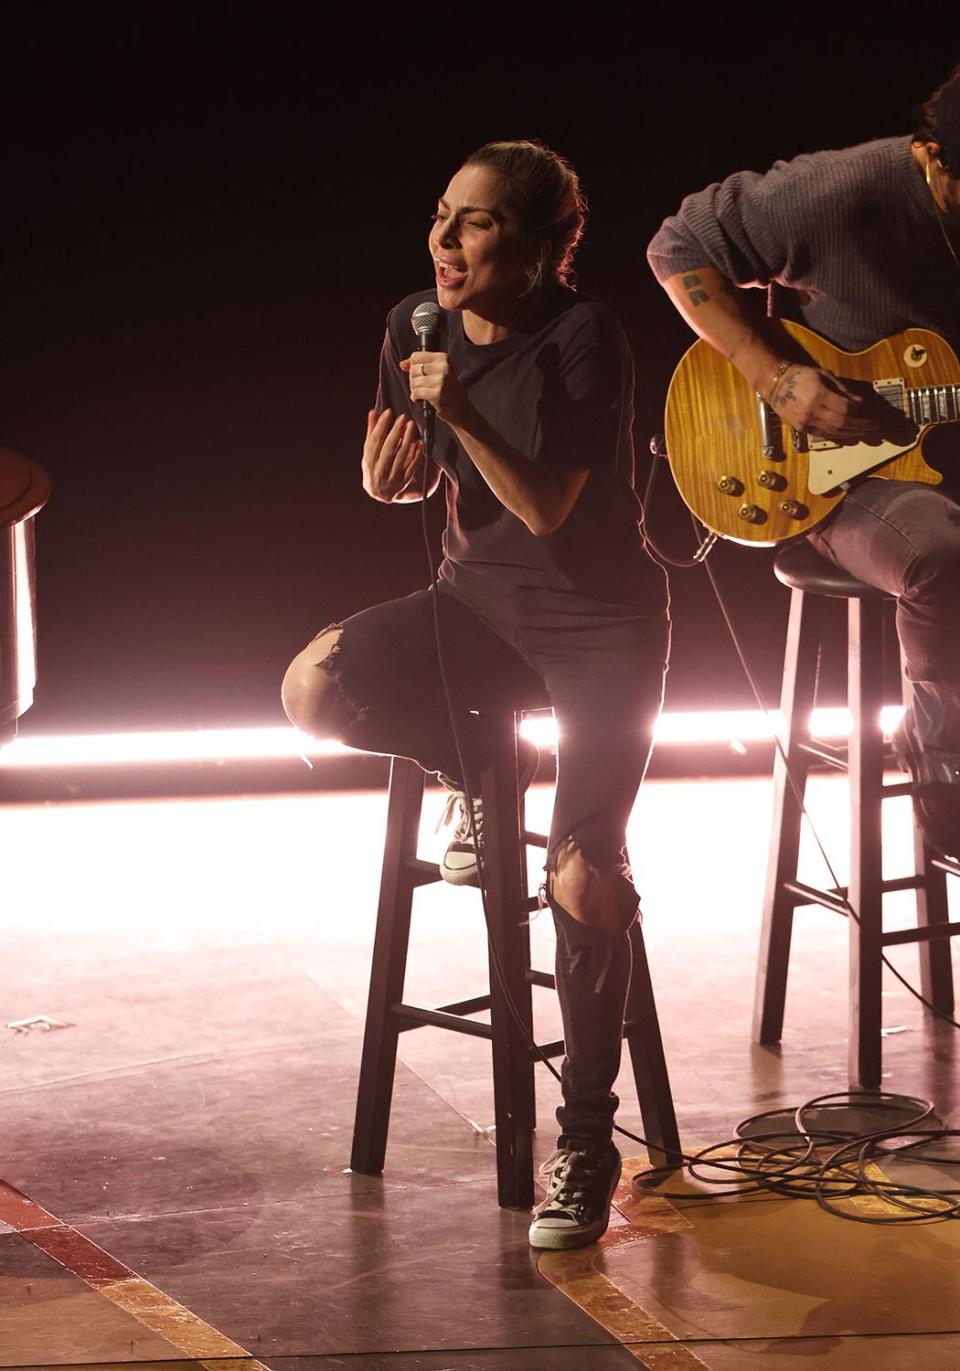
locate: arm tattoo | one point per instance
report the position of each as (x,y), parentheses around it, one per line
(787,389)
(694,288)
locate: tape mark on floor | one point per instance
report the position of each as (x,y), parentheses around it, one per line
(646,1212)
(83,1258)
(577,1275)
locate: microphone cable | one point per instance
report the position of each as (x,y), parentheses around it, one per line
(755,690)
(804,1161)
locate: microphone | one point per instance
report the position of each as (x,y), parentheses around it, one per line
(426,324)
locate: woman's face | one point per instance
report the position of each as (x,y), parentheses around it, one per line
(476,244)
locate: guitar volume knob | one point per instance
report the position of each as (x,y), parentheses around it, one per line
(772,480)
(752,514)
(729,485)
(793,509)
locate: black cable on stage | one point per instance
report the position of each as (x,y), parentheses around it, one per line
(798,796)
(427,438)
(699,560)
(779,1162)
(656,552)
(837,1167)
(791,1162)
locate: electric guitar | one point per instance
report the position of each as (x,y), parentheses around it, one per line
(750,477)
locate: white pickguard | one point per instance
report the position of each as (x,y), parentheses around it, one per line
(831,465)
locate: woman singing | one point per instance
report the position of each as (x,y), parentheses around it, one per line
(546,596)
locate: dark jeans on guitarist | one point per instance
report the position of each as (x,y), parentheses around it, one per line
(904,537)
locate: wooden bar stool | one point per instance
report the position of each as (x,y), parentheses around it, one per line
(505,839)
(812,578)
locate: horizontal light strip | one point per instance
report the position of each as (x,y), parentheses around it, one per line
(731,727)
(201,745)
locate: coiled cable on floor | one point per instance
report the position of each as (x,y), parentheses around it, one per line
(798,1154)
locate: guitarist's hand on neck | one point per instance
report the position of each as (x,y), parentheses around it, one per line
(806,397)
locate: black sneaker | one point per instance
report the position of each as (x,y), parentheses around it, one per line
(936,789)
(583,1176)
(459,864)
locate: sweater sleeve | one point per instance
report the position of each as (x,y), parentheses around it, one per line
(736,225)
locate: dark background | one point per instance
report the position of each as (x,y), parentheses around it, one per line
(209,208)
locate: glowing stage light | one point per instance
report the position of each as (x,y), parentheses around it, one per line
(199,745)
(734,728)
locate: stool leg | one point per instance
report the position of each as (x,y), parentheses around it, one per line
(379,1060)
(865,755)
(505,888)
(936,962)
(642,1032)
(796,702)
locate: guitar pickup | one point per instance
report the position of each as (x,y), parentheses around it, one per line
(770,446)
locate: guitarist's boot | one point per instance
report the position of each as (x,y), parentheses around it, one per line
(936,788)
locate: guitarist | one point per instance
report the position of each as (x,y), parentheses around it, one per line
(867,242)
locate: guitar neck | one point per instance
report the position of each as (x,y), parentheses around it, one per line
(924,404)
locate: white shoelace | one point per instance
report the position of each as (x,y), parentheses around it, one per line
(571,1176)
(457,800)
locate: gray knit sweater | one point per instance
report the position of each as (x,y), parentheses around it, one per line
(854,233)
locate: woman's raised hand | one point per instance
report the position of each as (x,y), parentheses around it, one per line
(433,379)
(392,457)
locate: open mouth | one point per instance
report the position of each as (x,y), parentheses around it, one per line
(448,275)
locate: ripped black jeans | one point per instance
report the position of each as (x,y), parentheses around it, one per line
(604,680)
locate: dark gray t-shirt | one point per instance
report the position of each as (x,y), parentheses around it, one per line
(562,395)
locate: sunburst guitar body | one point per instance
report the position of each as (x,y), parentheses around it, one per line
(749,477)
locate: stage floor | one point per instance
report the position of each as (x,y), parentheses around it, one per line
(174,1150)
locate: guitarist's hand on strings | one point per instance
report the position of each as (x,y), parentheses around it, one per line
(815,401)
(808,398)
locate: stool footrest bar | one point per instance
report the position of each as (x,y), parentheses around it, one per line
(411,1016)
(827,753)
(809,894)
(901,883)
(465,1006)
(554,1049)
(544,978)
(422,873)
(925,934)
(533,839)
